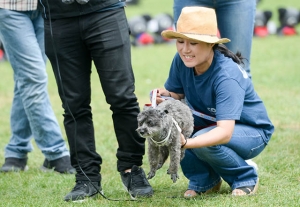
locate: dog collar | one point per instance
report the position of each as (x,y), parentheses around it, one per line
(162,142)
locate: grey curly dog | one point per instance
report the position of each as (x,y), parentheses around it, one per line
(162,126)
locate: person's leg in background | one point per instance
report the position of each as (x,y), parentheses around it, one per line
(31,113)
(236,22)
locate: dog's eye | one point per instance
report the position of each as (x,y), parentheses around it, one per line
(140,123)
(150,123)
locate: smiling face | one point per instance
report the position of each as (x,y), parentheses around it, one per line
(198,55)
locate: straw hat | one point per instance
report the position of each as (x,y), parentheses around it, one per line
(196,23)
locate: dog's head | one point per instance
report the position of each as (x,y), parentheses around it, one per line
(152,123)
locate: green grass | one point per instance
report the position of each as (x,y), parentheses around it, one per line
(275,68)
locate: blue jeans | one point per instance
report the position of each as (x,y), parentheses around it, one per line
(235,21)
(204,167)
(22,34)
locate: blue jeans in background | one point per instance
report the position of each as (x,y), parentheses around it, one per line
(235,21)
(22,34)
(204,167)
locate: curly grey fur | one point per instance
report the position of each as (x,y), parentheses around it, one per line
(154,123)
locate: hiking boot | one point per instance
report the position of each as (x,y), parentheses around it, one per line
(136,183)
(13,164)
(83,189)
(61,165)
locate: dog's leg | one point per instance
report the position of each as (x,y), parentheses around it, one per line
(153,152)
(182,151)
(175,156)
(163,156)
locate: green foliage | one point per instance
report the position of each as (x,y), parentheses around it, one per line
(275,68)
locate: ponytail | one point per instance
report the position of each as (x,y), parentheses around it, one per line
(227,53)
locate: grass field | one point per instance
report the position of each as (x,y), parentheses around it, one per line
(275,70)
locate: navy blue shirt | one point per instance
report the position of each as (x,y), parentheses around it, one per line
(224,91)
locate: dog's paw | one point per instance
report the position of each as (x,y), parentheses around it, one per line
(151,174)
(174,177)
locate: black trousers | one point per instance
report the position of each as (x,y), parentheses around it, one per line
(102,38)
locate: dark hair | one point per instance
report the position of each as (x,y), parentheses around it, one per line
(238,58)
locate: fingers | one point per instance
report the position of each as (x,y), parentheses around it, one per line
(182,139)
(159,100)
(162,92)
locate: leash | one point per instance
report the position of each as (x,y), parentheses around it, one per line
(199,114)
(153,98)
(153,95)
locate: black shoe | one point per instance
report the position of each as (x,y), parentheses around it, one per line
(136,183)
(13,164)
(82,190)
(61,165)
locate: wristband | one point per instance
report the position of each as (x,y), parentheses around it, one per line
(184,143)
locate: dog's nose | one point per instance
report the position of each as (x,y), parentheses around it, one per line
(140,131)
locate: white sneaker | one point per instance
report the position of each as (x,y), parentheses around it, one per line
(252,163)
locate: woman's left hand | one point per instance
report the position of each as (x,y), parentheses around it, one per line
(183,141)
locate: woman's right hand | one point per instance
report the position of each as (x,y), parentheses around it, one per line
(161,92)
